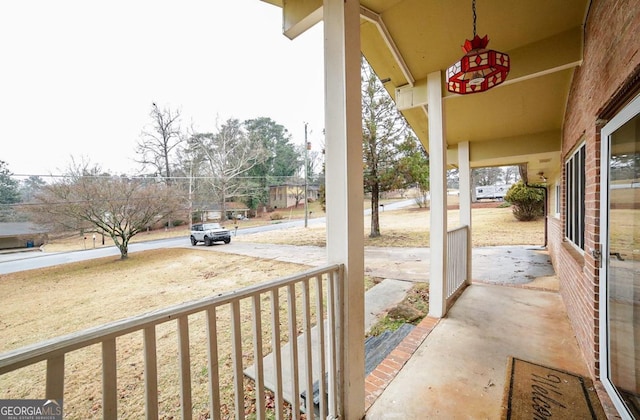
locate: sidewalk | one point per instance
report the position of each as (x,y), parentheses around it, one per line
(506,265)
(409,264)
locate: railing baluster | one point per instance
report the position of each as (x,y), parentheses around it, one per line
(185,367)
(236,356)
(326,364)
(109,380)
(277,351)
(306,318)
(450,258)
(321,350)
(150,373)
(55,378)
(456,260)
(214,374)
(293,345)
(257,350)
(333,370)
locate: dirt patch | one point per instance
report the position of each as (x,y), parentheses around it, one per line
(413,308)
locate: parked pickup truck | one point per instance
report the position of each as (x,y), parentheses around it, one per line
(209,233)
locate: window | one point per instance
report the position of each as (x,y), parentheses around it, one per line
(575,196)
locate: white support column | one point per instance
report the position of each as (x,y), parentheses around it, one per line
(438,186)
(465,198)
(344,188)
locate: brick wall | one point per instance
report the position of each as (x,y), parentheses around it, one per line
(611,54)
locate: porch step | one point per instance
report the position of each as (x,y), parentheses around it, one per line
(376,349)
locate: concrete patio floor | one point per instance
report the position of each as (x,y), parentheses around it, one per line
(459,371)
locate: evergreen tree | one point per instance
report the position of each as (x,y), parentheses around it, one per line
(383,127)
(281,161)
(9,193)
(414,166)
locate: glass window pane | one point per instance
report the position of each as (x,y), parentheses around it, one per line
(623,289)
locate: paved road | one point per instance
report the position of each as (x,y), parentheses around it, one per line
(20,261)
(499,265)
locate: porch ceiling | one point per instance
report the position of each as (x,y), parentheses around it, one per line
(543,39)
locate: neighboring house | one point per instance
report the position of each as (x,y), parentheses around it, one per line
(288,195)
(204,211)
(568,114)
(21,235)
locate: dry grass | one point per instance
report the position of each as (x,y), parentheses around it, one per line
(76,242)
(46,303)
(410,228)
(84,294)
(624,232)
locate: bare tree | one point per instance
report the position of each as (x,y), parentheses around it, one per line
(297,192)
(118,206)
(486,176)
(511,174)
(159,142)
(228,154)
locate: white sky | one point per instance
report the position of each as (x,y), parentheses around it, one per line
(77,78)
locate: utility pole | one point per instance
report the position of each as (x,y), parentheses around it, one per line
(307,146)
(190,191)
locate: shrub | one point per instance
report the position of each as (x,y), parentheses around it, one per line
(276,216)
(528,202)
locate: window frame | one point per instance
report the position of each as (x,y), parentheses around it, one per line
(574,195)
(628,112)
(558,200)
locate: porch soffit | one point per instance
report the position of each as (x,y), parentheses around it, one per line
(541,153)
(532,106)
(543,39)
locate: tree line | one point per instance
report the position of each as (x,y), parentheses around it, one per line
(183,170)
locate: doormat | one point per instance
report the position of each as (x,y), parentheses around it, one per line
(534,391)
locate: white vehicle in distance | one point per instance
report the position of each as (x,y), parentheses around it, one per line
(209,233)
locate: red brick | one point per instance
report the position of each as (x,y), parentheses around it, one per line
(397,359)
(381,375)
(392,364)
(402,355)
(375,381)
(386,369)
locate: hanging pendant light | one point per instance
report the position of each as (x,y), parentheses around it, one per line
(479,69)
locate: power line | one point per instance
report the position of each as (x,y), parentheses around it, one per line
(158,178)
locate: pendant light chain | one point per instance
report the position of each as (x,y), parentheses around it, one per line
(480,69)
(473,6)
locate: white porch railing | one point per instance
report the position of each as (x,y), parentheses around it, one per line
(260,319)
(457,261)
